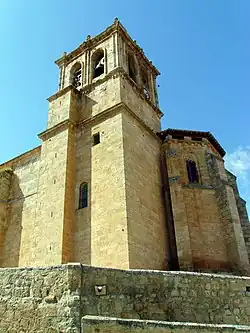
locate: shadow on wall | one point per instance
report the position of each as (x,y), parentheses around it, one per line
(87,110)
(13,233)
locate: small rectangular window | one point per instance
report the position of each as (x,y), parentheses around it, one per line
(96,139)
(83,195)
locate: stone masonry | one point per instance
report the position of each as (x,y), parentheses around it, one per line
(124,226)
(75,298)
(139,213)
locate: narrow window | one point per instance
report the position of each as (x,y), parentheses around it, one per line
(145,84)
(192,171)
(131,67)
(96,139)
(76,75)
(83,195)
(98,63)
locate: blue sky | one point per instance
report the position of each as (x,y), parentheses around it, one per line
(201,48)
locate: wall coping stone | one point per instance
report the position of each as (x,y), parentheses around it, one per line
(128,271)
(139,322)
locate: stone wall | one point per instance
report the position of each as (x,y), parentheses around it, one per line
(139,105)
(40,300)
(147,235)
(55,299)
(229,214)
(167,296)
(55,211)
(108,237)
(199,232)
(22,198)
(242,210)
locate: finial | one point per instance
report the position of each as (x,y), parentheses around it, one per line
(134,41)
(116,21)
(64,55)
(88,38)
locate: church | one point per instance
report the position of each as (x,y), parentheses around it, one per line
(109,187)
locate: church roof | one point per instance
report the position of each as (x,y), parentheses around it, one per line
(21,158)
(195,135)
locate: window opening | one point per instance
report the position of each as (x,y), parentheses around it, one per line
(98,63)
(131,67)
(83,195)
(96,139)
(192,171)
(145,85)
(77,76)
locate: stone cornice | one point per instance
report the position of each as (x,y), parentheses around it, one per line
(99,116)
(120,72)
(90,43)
(45,135)
(62,92)
(110,111)
(195,135)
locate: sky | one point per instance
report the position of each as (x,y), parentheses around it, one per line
(201,48)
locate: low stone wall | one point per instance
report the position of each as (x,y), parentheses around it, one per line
(40,300)
(91,324)
(167,296)
(55,299)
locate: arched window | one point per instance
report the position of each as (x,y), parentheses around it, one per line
(76,75)
(193,175)
(83,195)
(98,61)
(131,67)
(145,84)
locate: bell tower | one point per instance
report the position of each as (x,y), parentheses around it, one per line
(100,184)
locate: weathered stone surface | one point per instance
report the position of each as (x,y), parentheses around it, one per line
(169,296)
(24,299)
(58,297)
(206,214)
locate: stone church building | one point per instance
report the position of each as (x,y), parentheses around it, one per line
(114,225)
(108,187)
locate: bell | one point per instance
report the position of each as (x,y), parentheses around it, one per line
(100,63)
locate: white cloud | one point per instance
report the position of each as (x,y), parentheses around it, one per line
(238,162)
